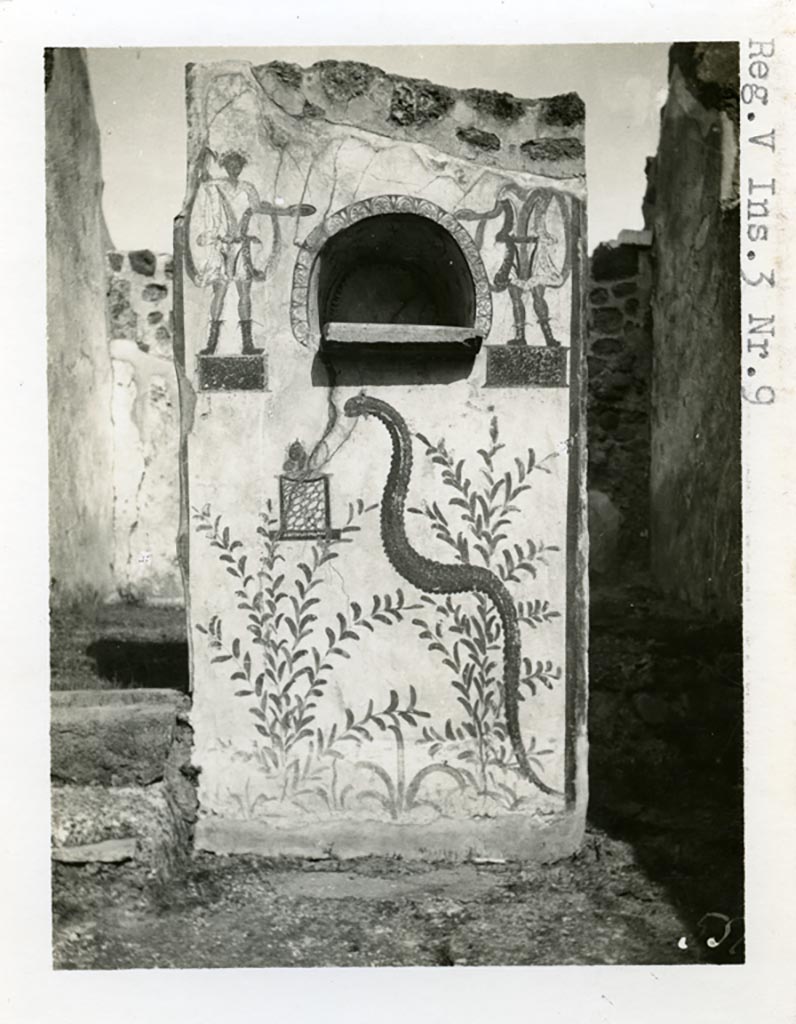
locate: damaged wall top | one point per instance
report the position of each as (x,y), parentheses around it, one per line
(543,136)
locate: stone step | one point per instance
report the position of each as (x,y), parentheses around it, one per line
(134,695)
(112,737)
(110,851)
(97,824)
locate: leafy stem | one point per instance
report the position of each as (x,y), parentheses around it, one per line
(298,654)
(482,510)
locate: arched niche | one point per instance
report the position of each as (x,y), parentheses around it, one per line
(395,268)
(391,269)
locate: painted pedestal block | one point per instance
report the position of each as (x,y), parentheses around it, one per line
(381,377)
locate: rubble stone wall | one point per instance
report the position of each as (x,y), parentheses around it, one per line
(695,472)
(619,357)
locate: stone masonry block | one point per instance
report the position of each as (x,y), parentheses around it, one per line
(112,744)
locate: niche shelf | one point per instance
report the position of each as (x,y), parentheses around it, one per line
(433,340)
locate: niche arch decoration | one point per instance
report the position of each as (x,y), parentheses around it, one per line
(439,225)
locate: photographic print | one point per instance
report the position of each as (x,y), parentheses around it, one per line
(395,505)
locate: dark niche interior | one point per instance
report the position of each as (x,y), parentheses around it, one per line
(396,304)
(396,268)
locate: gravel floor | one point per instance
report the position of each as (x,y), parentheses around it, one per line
(596,908)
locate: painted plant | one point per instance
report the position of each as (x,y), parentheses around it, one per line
(284,666)
(296,644)
(483,510)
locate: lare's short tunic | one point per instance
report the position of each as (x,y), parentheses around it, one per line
(532,227)
(537,238)
(223,211)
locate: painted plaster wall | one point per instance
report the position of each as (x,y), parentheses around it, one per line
(145,414)
(695,428)
(336,705)
(78,363)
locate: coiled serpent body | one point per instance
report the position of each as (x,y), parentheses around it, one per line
(439,577)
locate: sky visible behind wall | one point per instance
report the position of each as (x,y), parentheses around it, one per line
(140,107)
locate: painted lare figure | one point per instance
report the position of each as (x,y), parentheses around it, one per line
(223,212)
(534,232)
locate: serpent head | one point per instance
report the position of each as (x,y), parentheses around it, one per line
(357,405)
(365,405)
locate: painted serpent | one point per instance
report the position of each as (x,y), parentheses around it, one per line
(438,577)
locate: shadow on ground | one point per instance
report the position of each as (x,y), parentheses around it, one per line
(147,664)
(120,645)
(666,754)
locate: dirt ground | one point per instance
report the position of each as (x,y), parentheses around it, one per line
(250,912)
(244,911)
(658,881)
